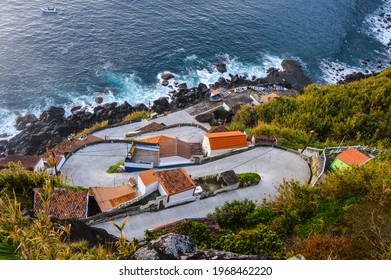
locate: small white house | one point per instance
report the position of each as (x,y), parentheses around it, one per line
(219,143)
(147,183)
(32,163)
(174,185)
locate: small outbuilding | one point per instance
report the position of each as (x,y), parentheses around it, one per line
(349,158)
(109,198)
(219,143)
(269,97)
(228,179)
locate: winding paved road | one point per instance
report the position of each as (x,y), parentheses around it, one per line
(88,166)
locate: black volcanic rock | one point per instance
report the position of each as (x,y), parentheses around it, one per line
(99,100)
(161,105)
(292,74)
(355,76)
(205,118)
(21,122)
(222,68)
(182,86)
(167,76)
(140,107)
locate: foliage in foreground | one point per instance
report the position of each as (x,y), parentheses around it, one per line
(20,182)
(345,217)
(42,239)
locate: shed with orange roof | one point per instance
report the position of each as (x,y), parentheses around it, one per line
(223,142)
(269,97)
(349,158)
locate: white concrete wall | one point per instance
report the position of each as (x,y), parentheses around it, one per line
(206,146)
(61,163)
(139,165)
(161,190)
(227,188)
(180,198)
(40,165)
(146,190)
(214,153)
(141,186)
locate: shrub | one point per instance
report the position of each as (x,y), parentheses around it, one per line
(262,214)
(114,168)
(248,179)
(91,129)
(198,231)
(258,241)
(233,214)
(149,235)
(135,115)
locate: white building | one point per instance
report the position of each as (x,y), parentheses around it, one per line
(218,143)
(175,185)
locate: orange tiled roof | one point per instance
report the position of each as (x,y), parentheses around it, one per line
(175,181)
(28,162)
(270,96)
(64,204)
(110,197)
(147,177)
(157,139)
(353,157)
(227,140)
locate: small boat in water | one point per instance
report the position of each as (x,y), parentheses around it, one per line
(49,10)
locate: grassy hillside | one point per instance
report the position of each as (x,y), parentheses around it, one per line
(358,113)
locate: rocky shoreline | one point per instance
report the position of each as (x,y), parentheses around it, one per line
(37,134)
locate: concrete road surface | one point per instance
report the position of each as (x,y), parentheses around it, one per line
(170,119)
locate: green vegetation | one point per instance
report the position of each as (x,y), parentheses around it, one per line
(136,115)
(358,112)
(346,216)
(248,179)
(20,182)
(149,235)
(114,168)
(199,231)
(91,129)
(233,214)
(257,241)
(42,239)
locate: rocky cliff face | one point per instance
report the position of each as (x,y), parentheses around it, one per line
(174,246)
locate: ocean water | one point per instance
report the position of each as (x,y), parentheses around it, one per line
(118,48)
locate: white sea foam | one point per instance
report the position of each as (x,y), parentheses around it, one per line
(208,74)
(7,121)
(131,88)
(376,25)
(335,71)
